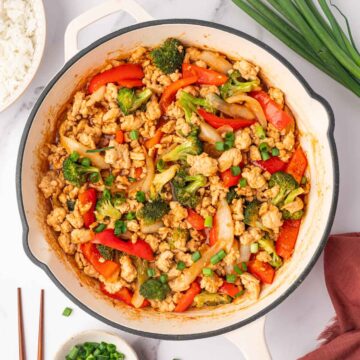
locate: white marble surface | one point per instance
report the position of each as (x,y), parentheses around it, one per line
(291,328)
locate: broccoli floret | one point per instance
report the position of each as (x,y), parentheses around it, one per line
(186,186)
(105,207)
(153,211)
(180,236)
(235,85)
(76,173)
(293,195)
(190,103)
(191,146)
(169,56)
(269,246)
(154,289)
(251,213)
(208,299)
(286,184)
(161,179)
(106,252)
(129,100)
(297,215)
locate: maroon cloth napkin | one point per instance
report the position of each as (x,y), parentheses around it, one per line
(341,340)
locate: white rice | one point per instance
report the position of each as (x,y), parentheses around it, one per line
(18,28)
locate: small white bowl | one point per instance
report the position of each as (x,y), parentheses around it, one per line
(97,336)
(38,54)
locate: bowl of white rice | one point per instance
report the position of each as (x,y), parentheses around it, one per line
(22,42)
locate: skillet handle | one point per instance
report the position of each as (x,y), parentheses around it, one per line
(96,13)
(250,339)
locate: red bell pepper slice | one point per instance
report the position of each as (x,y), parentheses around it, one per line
(195,220)
(205,76)
(109,269)
(229,179)
(187,299)
(271,165)
(286,240)
(170,91)
(229,289)
(213,233)
(261,270)
(216,121)
(118,74)
(273,113)
(86,197)
(140,249)
(297,164)
(119,136)
(138,172)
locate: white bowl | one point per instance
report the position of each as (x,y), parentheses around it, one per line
(97,336)
(39,51)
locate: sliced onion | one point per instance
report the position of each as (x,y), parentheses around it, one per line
(72,145)
(225,239)
(209,134)
(234,110)
(152,228)
(253,104)
(244,253)
(224,129)
(215,61)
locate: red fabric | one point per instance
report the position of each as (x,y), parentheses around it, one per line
(342,276)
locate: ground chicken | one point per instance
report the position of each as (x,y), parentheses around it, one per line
(186,258)
(251,285)
(51,184)
(66,244)
(254,177)
(153,111)
(277,95)
(211,284)
(165,305)
(228,158)
(128,270)
(271,217)
(164,261)
(247,70)
(56,217)
(80,236)
(294,206)
(289,141)
(131,122)
(251,235)
(119,156)
(153,241)
(254,153)
(263,256)
(75,218)
(242,139)
(202,164)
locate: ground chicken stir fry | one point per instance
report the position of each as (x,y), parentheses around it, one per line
(177,180)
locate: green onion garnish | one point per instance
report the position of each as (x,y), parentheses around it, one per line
(109,180)
(241,292)
(100,228)
(134,134)
(217,257)
(85,162)
(74,156)
(207,271)
(220,146)
(67,312)
(150,272)
(131,179)
(163,278)
(130,215)
(196,256)
(263,146)
(208,221)
(254,248)
(160,165)
(140,196)
(100,150)
(275,152)
(238,270)
(120,227)
(180,265)
(244,266)
(230,278)
(265,155)
(242,182)
(259,131)
(235,170)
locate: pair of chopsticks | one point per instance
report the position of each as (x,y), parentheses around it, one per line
(22,352)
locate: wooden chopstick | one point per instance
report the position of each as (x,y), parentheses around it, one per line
(22,352)
(40,355)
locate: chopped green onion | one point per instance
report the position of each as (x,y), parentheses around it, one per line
(134,134)
(244,266)
(265,155)
(140,196)
(275,152)
(73,353)
(229,140)
(254,248)
(207,271)
(109,180)
(131,179)
(196,256)
(263,147)
(70,205)
(67,312)
(160,165)
(74,156)
(106,194)
(241,292)
(180,265)
(208,221)
(259,131)
(303,180)
(100,150)
(120,227)
(130,215)
(100,228)
(94,178)
(150,272)
(220,146)
(242,182)
(85,162)
(238,270)
(230,278)
(163,278)
(217,257)
(235,170)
